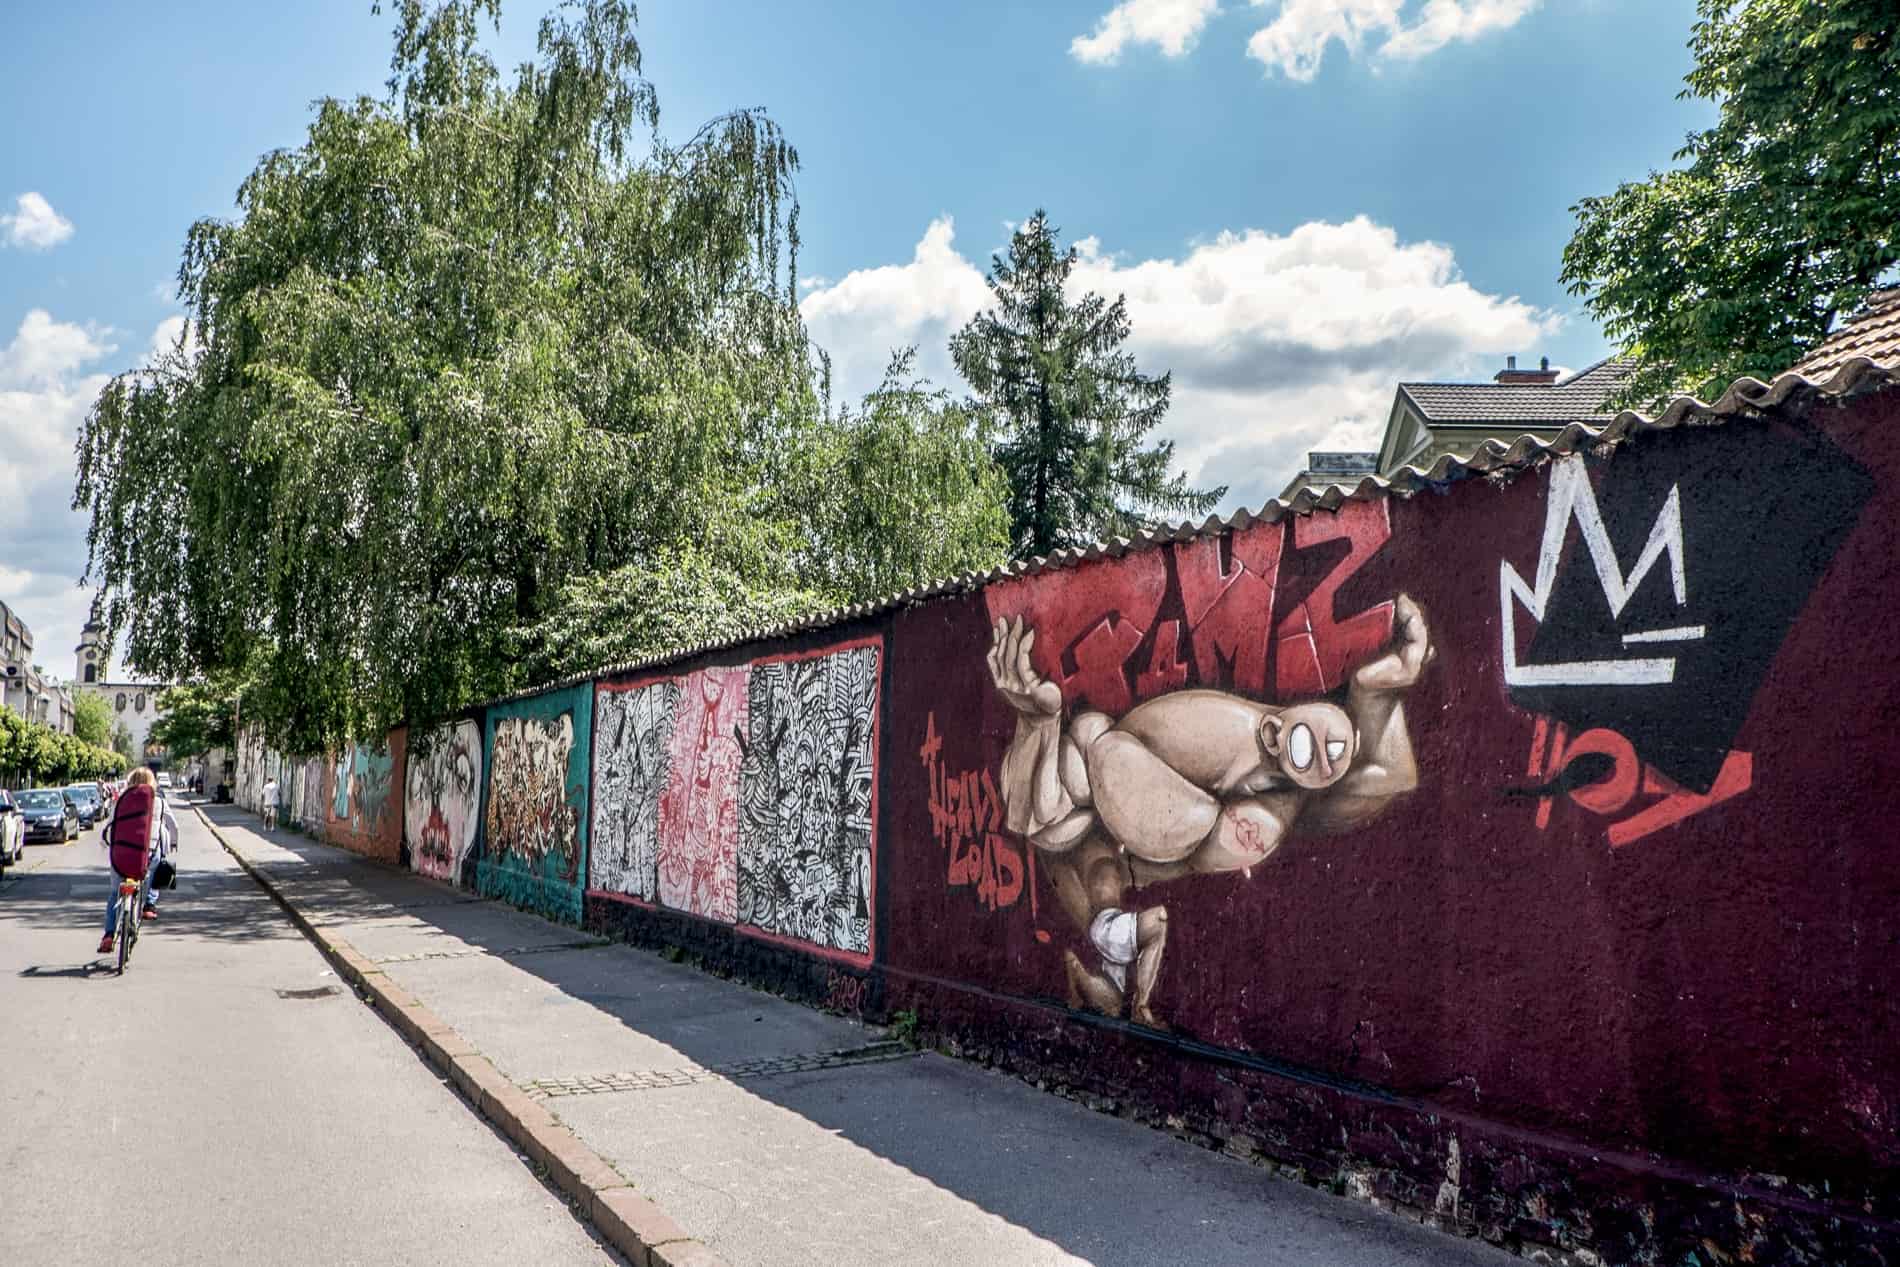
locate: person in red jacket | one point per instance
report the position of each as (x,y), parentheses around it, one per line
(125,835)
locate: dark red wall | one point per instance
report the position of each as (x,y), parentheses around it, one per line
(1718,990)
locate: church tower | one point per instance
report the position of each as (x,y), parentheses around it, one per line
(92,654)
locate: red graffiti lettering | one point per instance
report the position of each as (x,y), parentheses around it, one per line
(845,993)
(1092,621)
(1230,611)
(1736,776)
(966,816)
(1088,620)
(1165,671)
(1610,794)
(1629,776)
(1316,650)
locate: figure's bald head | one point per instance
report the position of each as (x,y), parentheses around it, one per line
(1314,744)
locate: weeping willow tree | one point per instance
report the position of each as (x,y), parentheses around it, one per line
(465,348)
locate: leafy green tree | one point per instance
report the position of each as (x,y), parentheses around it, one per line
(33,753)
(476,363)
(901,490)
(681,597)
(1074,412)
(121,743)
(461,346)
(195,718)
(92,718)
(1785,213)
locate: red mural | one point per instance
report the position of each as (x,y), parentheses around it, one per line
(699,809)
(1583,886)
(1133,764)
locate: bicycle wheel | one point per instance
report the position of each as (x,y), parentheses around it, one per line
(128,927)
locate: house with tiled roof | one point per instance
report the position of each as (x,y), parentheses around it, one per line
(1872,332)
(1430,420)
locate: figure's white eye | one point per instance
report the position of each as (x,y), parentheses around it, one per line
(1299,746)
(1335,749)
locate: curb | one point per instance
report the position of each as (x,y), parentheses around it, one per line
(629,1222)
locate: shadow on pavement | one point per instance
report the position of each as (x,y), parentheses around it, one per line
(69,890)
(39,972)
(1107,1190)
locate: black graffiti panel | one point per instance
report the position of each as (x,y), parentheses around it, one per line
(1667,578)
(806,791)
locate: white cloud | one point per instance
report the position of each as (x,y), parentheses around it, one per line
(1278,342)
(870,313)
(35,225)
(1170,25)
(1295,42)
(50,373)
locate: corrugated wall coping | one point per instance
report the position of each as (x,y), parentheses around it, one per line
(1744,398)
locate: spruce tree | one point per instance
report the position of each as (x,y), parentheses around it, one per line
(1072,411)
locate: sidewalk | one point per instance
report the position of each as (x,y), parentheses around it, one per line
(769,1133)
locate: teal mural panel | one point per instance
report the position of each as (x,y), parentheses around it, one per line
(534,851)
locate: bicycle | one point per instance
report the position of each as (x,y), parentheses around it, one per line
(130,916)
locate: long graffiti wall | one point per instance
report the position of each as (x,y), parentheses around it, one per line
(745,795)
(534,827)
(1522,850)
(442,800)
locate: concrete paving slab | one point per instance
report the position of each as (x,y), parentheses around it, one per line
(760,1186)
(528,1028)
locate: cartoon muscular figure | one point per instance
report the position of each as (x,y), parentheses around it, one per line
(1188,783)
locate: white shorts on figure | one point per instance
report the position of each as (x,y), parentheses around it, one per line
(1113,933)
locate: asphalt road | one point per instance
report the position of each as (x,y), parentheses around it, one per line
(227,1100)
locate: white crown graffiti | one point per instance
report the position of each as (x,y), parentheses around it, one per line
(1571,494)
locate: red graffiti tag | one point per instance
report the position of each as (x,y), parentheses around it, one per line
(966,816)
(1629,777)
(845,993)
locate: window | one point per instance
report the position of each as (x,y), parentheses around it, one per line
(92,673)
(121,703)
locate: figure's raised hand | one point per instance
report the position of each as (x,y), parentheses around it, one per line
(1411,650)
(1027,691)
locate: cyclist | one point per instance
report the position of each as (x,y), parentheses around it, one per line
(161,834)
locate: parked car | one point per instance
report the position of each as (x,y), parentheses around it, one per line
(92,806)
(50,814)
(12,831)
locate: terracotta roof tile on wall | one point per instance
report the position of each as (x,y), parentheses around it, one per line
(1873,332)
(1578,398)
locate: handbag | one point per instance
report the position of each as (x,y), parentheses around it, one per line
(164,875)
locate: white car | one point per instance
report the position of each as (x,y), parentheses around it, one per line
(12,831)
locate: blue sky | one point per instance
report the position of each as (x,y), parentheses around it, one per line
(1305,200)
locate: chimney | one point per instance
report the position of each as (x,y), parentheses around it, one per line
(1511,376)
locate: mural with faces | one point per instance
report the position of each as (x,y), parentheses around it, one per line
(1183,712)
(744,795)
(442,800)
(535,819)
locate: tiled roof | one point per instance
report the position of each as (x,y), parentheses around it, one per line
(1745,397)
(1578,398)
(1873,332)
